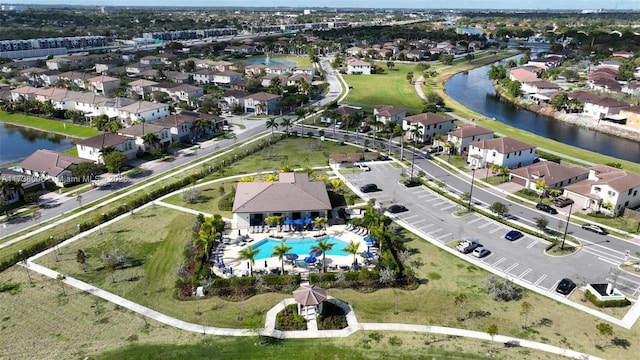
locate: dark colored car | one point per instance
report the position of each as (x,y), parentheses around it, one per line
(565,286)
(513,235)
(394,209)
(369,188)
(562,202)
(546,208)
(595,228)
(412,183)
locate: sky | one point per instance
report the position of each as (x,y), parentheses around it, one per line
(431,4)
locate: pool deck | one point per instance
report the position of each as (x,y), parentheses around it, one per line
(240,267)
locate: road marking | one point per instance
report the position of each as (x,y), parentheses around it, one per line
(417,221)
(434,231)
(635,292)
(533,243)
(432,199)
(609,261)
(426,195)
(555,285)
(427,226)
(498,262)
(511,267)
(485,225)
(495,230)
(544,276)
(440,203)
(445,235)
(414,216)
(475,220)
(448,207)
(524,273)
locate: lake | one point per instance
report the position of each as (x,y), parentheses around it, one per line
(17,143)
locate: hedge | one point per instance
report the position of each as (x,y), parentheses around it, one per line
(607,303)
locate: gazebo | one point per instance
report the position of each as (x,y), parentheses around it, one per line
(309,299)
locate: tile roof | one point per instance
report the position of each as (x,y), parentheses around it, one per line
(617,179)
(388,110)
(467,130)
(51,162)
(104,140)
(550,172)
(293,192)
(141,129)
(427,119)
(503,145)
(262,96)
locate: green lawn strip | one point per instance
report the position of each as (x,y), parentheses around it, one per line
(52,126)
(389,88)
(208,202)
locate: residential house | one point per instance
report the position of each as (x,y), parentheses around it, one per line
(354,51)
(279,69)
(266,80)
(261,103)
(141,87)
(76,78)
(28,184)
(427,126)
(254,69)
(181,126)
(632,114)
(298,79)
(138,132)
(47,78)
(92,147)
(389,114)
(504,151)
(293,196)
(185,92)
(605,85)
(304,70)
(600,108)
(137,68)
(622,54)
(204,76)
(178,77)
(358,67)
(104,67)
(465,135)
(103,85)
(632,88)
(60,64)
(523,75)
(33,93)
(232,98)
(51,166)
(226,78)
(554,175)
(146,110)
(151,60)
(607,189)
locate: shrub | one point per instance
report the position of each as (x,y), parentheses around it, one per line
(332,317)
(607,303)
(501,289)
(288,319)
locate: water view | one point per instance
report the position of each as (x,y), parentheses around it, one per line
(17,143)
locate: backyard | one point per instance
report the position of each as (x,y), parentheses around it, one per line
(51,126)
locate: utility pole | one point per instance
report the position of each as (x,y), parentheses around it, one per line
(473,176)
(566,228)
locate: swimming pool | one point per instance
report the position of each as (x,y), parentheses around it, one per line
(270,61)
(299,246)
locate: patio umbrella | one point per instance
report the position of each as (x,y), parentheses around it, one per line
(298,222)
(369,240)
(308,221)
(292,256)
(310,259)
(367,254)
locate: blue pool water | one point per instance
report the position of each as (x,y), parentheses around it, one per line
(270,61)
(300,246)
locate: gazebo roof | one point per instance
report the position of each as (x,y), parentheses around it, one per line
(309,295)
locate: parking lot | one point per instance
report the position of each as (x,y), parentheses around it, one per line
(524,259)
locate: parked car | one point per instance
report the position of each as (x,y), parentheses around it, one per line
(467,246)
(364,128)
(546,208)
(412,183)
(562,202)
(595,228)
(394,209)
(480,252)
(339,125)
(363,167)
(369,188)
(565,286)
(513,235)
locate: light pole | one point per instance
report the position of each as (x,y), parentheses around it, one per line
(473,176)
(26,265)
(413,157)
(566,228)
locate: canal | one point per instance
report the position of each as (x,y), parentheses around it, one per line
(475,91)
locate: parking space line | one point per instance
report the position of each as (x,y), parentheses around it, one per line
(635,292)
(495,230)
(609,261)
(485,225)
(448,207)
(417,221)
(498,262)
(426,195)
(432,199)
(533,243)
(427,226)
(445,235)
(511,267)
(474,220)
(544,276)
(554,285)
(440,203)
(413,216)
(434,231)
(524,273)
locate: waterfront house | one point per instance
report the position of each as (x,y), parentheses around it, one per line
(51,166)
(92,148)
(293,196)
(465,135)
(389,114)
(504,151)
(554,175)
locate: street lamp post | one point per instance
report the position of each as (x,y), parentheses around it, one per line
(473,176)
(413,158)
(26,265)
(566,228)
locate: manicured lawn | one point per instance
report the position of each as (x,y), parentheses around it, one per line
(208,203)
(388,88)
(55,126)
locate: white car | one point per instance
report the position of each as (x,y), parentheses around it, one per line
(363,167)
(480,252)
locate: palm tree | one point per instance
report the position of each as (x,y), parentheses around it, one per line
(286,122)
(320,222)
(201,125)
(151,138)
(249,254)
(321,248)
(352,249)
(281,251)
(272,123)
(542,187)
(7,186)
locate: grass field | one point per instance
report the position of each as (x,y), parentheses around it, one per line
(389,88)
(158,249)
(52,126)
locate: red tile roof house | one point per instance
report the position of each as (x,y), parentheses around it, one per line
(522,75)
(608,190)
(293,196)
(466,134)
(504,151)
(389,114)
(181,126)
(91,148)
(554,175)
(428,125)
(51,166)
